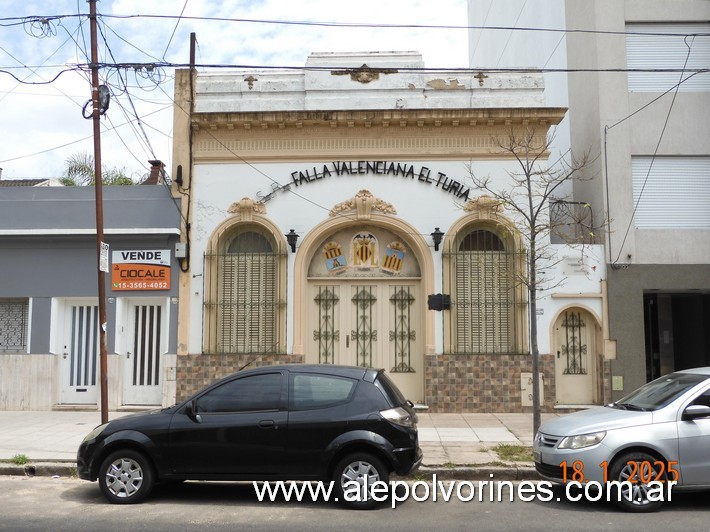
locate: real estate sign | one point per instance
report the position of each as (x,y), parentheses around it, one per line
(145,269)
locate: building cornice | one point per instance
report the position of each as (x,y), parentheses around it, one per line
(399,134)
(402,118)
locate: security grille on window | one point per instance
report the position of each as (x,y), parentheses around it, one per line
(485,302)
(243,304)
(14,318)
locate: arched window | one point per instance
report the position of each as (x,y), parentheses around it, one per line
(486,293)
(244,306)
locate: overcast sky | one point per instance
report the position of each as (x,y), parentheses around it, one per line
(41,125)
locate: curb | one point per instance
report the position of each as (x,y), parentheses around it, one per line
(482,472)
(425,473)
(40,469)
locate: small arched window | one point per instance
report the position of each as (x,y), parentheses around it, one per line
(486,301)
(249,241)
(481,240)
(244,303)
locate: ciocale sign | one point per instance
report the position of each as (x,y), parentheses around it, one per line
(140,269)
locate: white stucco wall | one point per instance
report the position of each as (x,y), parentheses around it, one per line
(422,204)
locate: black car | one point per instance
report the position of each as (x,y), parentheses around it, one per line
(289,422)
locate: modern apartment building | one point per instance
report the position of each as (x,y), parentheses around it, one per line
(639,98)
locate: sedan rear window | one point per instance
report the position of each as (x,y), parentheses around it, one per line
(310,391)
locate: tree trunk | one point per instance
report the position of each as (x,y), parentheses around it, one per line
(532,294)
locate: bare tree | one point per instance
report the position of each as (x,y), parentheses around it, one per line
(80,172)
(529,192)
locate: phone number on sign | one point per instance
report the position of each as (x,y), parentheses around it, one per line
(137,285)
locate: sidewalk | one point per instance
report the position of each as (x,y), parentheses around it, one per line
(452,443)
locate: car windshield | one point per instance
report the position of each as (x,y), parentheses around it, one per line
(657,394)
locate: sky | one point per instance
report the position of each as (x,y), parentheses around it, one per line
(43,90)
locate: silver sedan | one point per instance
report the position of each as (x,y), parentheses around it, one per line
(656,436)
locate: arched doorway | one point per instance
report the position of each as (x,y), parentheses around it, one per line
(576,333)
(363,302)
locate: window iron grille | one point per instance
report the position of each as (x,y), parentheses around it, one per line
(403,336)
(364,335)
(14,319)
(573,349)
(327,335)
(243,304)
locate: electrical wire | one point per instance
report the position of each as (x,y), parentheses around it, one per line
(393,26)
(478,40)
(16,21)
(175,29)
(130,100)
(68,143)
(510,35)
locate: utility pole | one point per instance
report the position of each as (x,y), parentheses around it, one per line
(101,248)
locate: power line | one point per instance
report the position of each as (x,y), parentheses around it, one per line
(128,95)
(72,142)
(515,24)
(175,29)
(15,21)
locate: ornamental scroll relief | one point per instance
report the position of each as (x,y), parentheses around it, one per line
(364,203)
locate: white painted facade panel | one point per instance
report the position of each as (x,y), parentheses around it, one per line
(422,204)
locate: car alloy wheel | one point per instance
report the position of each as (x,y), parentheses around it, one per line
(355,470)
(639,469)
(126,477)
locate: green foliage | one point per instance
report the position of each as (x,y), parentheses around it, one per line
(80,171)
(19,459)
(514,453)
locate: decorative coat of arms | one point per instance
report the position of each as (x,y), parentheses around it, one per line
(364,248)
(394,257)
(335,261)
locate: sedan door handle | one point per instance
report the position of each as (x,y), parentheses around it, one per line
(267,424)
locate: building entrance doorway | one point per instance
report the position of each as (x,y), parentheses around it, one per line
(677,331)
(365,307)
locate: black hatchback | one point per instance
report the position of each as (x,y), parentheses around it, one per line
(288,422)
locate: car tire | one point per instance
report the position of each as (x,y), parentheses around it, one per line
(126,477)
(623,469)
(355,468)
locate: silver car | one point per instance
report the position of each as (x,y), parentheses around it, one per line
(656,434)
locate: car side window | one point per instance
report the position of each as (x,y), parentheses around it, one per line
(310,391)
(257,392)
(702,399)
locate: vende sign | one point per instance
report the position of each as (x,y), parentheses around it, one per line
(145,269)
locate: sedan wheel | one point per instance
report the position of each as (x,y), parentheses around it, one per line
(639,470)
(126,477)
(354,477)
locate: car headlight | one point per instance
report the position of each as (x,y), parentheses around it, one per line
(94,433)
(581,440)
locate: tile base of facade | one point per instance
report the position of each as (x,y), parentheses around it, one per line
(484,383)
(453,383)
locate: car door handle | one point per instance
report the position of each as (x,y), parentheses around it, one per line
(268,424)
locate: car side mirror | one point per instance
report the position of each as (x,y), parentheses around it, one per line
(190,411)
(696,411)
